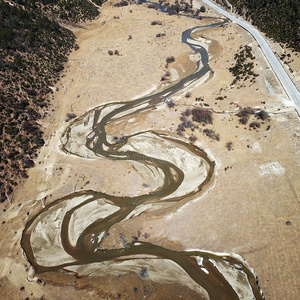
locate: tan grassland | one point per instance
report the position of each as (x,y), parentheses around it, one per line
(257,183)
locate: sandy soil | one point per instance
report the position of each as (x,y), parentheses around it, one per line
(253,210)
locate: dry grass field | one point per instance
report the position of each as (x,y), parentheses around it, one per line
(253,209)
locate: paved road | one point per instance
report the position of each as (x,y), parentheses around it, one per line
(281,74)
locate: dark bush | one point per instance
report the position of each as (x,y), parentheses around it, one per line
(120,139)
(229,146)
(99,2)
(156,23)
(187,112)
(170,59)
(165,76)
(151,6)
(70,116)
(28,163)
(170,102)
(211,134)
(262,115)
(202,115)
(192,138)
(244,114)
(254,125)
(186,122)
(244,120)
(120,4)
(160,34)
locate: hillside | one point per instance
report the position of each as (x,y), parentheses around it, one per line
(33,49)
(279,19)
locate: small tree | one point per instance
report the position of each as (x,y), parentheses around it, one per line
(70,116)
(156,23)
(170,59)
(203,9)
(192,138)
(229,146)
(170,102)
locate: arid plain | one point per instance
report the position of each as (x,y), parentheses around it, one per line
(252,208)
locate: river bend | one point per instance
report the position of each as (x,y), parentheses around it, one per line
(69,232)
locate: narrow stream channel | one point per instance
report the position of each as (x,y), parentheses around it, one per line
(68,233)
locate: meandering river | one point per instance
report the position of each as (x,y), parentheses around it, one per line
(69,232)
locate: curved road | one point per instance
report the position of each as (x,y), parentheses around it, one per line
(287,84)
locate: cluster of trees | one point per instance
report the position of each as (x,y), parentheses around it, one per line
(202,115)
(99,2)
(66,10)
(181,7)
(172,9)
(33,50)
(243,68)
(245,113)
(122,3)
(185,122)
(211,134)
(279,19)
(198,115)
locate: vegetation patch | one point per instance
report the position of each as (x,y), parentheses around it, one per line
(243,68)
(202,115)
(229,146)
(211,134)
(199,115)
(278,19)
(183,7)
(65,10)
(245,114)
(185,124)
(156,23)
(33,50)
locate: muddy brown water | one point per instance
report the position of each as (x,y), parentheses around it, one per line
(87,251)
